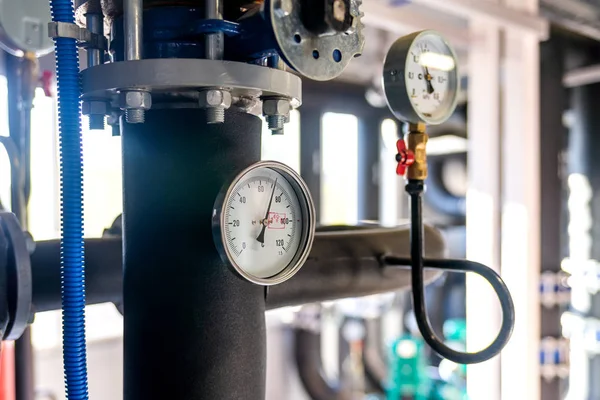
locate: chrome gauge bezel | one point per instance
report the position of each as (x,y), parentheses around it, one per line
(307,209)
(394,80)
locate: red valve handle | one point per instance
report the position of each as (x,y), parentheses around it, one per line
(47,83)
(404,157)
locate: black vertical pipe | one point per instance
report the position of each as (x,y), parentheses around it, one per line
(584,142)
(553,103)
(193,330)
(369,129)
(21,90)
(310,153)
(24,367)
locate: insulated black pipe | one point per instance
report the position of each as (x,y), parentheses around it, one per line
(193,330)
(103,273)
(341,264)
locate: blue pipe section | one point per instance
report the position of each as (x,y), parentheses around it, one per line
(71,176)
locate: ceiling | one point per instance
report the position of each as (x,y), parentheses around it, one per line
(579,16)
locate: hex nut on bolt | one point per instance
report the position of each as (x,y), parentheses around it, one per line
(276,112)
(135,100)
(96,110)
(135,103)
(93,107)
(276,107)
(215,102)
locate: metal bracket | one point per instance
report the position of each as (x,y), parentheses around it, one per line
(84,37)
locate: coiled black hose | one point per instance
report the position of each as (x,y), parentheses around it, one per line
(417,263)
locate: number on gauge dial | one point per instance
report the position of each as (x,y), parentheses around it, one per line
(263,223)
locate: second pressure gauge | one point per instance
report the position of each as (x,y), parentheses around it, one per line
(421,79)
(264,223)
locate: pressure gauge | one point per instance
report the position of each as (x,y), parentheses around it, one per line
(421,79)
(264,223)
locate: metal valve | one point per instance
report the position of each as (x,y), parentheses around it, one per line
(405,157)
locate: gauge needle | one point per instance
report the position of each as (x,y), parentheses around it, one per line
(428,78)
(261,235)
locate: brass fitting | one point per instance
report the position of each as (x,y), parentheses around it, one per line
(416,140)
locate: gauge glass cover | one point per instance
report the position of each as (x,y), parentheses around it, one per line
(266,223)
(421,79)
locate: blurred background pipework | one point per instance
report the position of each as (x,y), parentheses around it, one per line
(176,100)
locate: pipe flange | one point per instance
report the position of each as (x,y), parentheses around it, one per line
(185,75)
(18,277)
(320,56)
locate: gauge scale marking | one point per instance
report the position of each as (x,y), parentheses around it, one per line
(266,223)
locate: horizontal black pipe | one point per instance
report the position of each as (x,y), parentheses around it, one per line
(346,264)
(104,276)
(341,264)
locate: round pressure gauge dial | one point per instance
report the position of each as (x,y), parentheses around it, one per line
(421,79)
(264,223)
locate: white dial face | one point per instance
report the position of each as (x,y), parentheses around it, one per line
(431,78)
(263,223)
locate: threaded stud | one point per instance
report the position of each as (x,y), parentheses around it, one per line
(276,123)
(96,122)
(135,116)
(215,115)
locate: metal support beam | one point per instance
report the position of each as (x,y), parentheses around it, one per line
(553,103)
(512,19)
(521,209)
(134,29)
(214,41)
(95,24)
(407,19)
(483,203)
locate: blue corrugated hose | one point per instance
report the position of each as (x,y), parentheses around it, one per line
(71,176)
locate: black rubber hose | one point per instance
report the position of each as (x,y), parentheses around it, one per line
(307,351)
(374,364)
(506,304)
(415,190)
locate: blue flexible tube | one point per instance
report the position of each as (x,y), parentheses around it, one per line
(71,177)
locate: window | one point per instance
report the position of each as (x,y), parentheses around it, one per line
(44,203)
(102,179)
(339,169)
(4,162)
(389,198)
